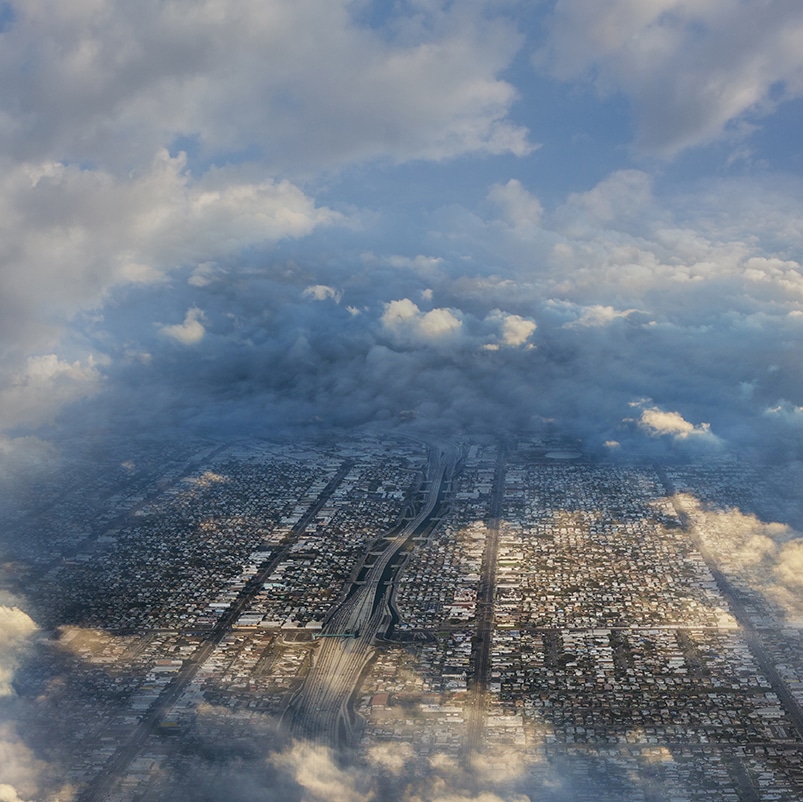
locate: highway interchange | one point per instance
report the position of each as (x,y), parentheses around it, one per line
(322,707)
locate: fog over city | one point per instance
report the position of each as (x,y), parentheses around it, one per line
(572,224)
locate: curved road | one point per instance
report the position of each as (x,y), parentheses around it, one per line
(321,710)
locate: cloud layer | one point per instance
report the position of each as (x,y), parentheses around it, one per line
(303,83)
(575,312)
(163,231)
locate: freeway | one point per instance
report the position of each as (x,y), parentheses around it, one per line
(322,708)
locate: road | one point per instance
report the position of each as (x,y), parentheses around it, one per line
(790,704)
(88,543)
(322,709)
(481,651)
(102,784)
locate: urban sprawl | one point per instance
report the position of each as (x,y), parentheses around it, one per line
(603,627)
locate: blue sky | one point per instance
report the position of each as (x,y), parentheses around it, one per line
(335,211)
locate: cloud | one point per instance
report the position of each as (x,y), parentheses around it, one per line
(618,198)
(35,394)
(304,81)
(694,71)
(16,627)
(320,292)
(23,457)
(764,555)
(453,328)
(657,423)
(321,779)
(518,208)
(190,332)
(70,235)
(23,776)
(494,326)
(673,261)
(406,321)
(96,192)
(20,770)
(207,178)
(515,329)
(9,794)
(421,264)
(786,588)
(132,162)
(203,275)
(785,412)
(598,315)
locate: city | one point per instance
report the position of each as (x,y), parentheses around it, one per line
(552,626)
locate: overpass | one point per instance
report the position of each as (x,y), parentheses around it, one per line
(321,710)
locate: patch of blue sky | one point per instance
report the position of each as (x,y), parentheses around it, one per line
(580,136)
(776,140)
(201,158)
(7,17)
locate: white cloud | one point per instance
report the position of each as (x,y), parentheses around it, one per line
(618,197)
(34,394)
(657,422)
(91,197)
(16,627)
(299,77)
(438,323)
(618,245)
(20,771)
(456,329)
(767,555)
(515,330)
(598,315)
(404,319)
(519,209)
(423,265)
(19,768)
(316,772)
(786,412)
(68,235)
(786,273)
(693,68)
(322,292)
(9,794)
(190,332)
(787,588)
(400,313)
(203,275)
